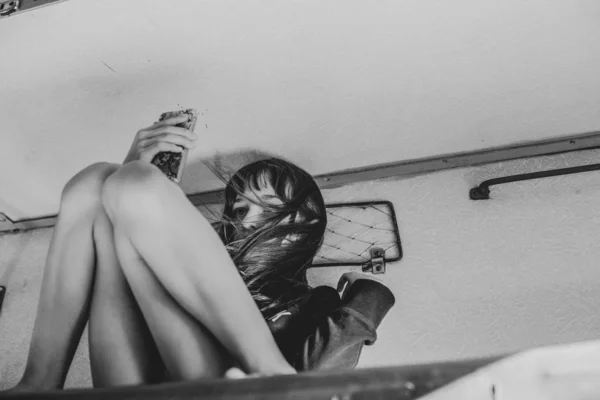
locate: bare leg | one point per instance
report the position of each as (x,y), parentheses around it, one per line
(189,260)
(188,349)
(63,308)
(82,267)
(122,351)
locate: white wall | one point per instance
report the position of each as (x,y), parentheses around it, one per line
(487,277)
(328,84)
(477,278)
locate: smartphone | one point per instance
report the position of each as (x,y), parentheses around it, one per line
(169,162)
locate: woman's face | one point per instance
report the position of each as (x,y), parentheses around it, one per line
(249,214)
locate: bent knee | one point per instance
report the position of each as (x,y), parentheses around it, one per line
(84,189)
(133,189)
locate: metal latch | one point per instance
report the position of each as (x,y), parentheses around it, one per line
(377,263)
(9,7)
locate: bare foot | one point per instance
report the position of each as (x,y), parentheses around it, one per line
(237,373)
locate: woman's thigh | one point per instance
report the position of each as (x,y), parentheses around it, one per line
(122,350)
(160,233)
(187,348)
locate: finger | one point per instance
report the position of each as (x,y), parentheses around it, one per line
(148,153)
(174,130)
(342,283)
(168,138)
(180,119)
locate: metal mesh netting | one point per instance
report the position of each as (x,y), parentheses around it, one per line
(352,230)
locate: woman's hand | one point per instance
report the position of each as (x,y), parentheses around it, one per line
(162,136)
(349,278)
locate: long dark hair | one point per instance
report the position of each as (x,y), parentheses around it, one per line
(274,268)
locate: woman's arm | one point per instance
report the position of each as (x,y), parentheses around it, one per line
(329,332)
(338,337)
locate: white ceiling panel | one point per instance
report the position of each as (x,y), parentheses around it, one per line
(330,85)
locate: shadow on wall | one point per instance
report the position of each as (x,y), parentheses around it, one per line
(213,173)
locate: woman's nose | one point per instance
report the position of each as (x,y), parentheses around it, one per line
(249,225)
(250,221)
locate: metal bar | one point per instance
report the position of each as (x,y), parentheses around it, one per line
(398,169)
(482,192)
(401,383)
(459,160)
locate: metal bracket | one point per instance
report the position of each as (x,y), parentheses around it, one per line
(9,7)
(377,263)
(479,193)
(6,224)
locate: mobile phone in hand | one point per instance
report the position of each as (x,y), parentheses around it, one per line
(170,162)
